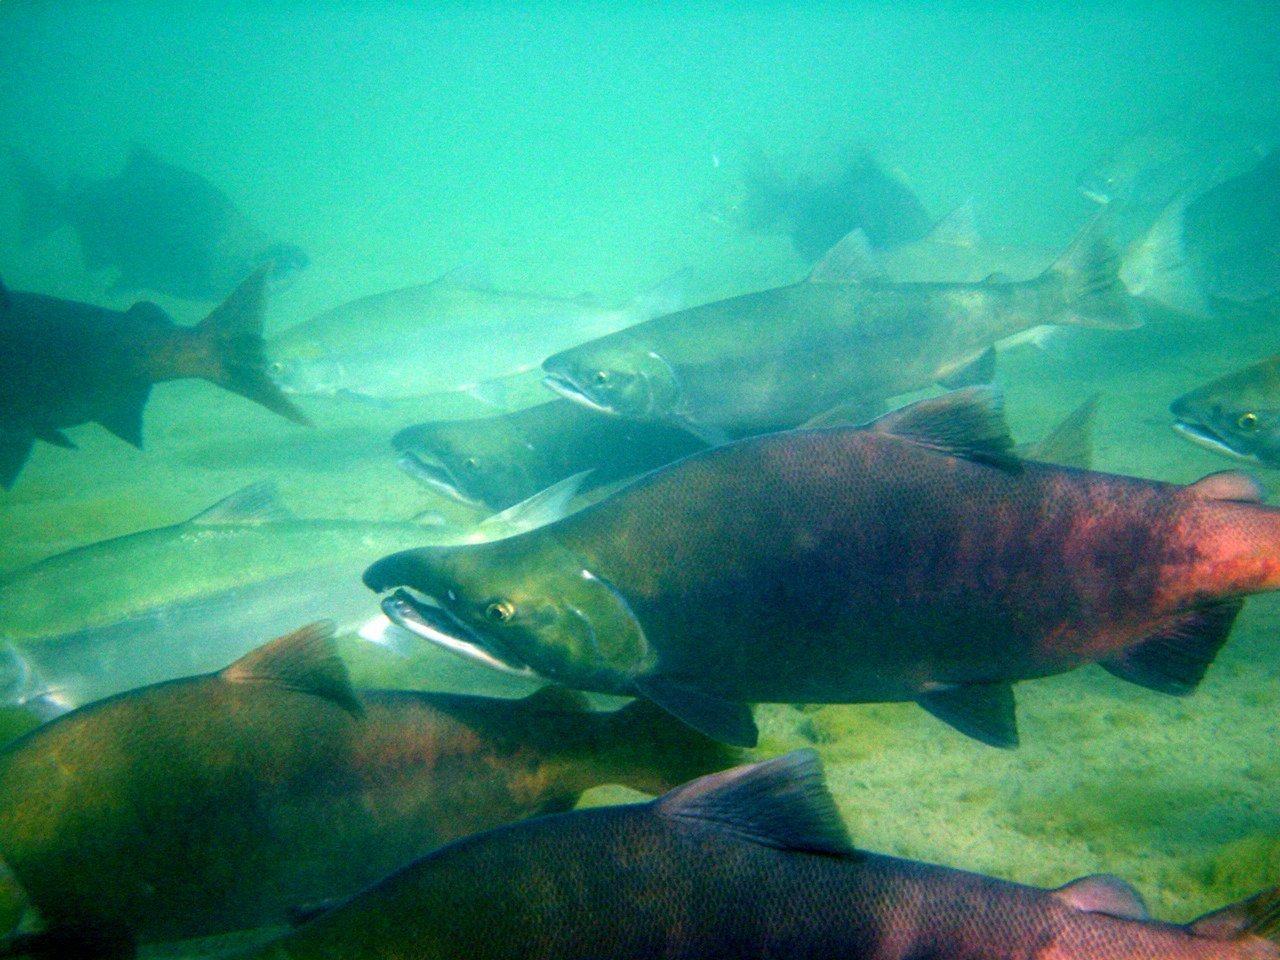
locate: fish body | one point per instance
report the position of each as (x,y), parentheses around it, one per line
(751,863)
(1233,235)
(1237,415)
(162,227)
(219,802)
(180,600)
(912,560)
(441,337)
(64,363)
(498,461)
(775,359)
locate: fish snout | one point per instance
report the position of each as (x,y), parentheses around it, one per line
(408,568)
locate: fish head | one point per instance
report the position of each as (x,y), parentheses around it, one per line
(309,374)
(525,605)
(1237,415)
(474,462)
(620,377)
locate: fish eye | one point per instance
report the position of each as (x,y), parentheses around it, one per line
(276,366)
(1248,421)
(471,463)
(500,611)
(600,378)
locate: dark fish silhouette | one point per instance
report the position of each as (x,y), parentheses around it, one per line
(915,559)
(162,227)
(1232,235)
(752,864)
(817,212)
(64,363)
(219,802)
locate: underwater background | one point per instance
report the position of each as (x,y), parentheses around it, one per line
(597,149)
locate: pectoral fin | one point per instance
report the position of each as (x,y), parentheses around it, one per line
(725,720)
(986,712)
(1174,659)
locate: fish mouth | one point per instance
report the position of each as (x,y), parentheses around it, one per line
(1204,436)
(1097,196)
(433,474)
(562,385)
(425,618)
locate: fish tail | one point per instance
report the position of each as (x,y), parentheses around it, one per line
(1089,291)
(1253,924)
(1157,268)
(230,352)
(43,207)
(653,752)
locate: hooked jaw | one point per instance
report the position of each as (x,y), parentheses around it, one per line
(424,616)
(1189,424)
(560,384)
(434,474)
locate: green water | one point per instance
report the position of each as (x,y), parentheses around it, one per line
(593,148)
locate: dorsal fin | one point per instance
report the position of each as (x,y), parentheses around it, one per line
(966,423)
(959,228)
(851,260)
(554,698)
(542,508)
(1070,443)
(1229,485)
(1103,893)
(305,661)
(781,803)
(256,503)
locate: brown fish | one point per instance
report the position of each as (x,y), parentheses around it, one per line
(751,863)
(64,363)
(914,559)
(219,802)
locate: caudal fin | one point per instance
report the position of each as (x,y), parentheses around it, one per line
(1091,291)
(655,752)
(1158,270)
(233,353)
(1255,921)
(43,208)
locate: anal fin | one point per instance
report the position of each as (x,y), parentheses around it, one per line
(987,712)
(122,413)
(728,721)
(1174,659)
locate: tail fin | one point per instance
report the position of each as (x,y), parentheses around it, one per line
(1092,293)
(233,350)
(1156,267)
(1256,919)
(43,207)
(656,752)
